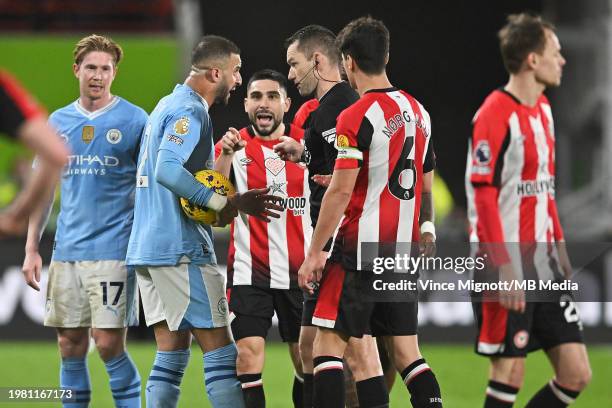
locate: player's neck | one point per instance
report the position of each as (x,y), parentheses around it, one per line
(525,88)
(365,83)
(205,93)
(278,132)
(92,105)
(326,82)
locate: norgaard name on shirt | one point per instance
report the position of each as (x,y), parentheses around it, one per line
(397,121)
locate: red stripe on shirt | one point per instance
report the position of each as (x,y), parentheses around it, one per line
(295,231)
(260,258)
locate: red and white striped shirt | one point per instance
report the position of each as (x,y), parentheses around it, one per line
(510,177)
(269,254)
(386,134)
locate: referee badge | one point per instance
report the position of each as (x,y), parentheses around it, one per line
(87,134)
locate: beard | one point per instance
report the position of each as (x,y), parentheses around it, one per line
(223,93)
(264,131)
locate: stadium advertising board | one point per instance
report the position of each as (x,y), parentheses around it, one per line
(440,309)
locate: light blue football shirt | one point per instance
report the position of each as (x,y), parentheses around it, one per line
(97,185)
(162,234)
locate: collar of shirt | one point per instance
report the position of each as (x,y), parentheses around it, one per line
(190,89)
(329,91)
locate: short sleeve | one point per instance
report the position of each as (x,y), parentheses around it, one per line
(17,105)
(294,132)
(138,130)
(352,141)
(429,162)
(301,116)
(325,122)
(182,133)
(144,117)
(490,139)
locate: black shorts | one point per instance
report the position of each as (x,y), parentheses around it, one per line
(345,305)
(252,309)
(544,325)
(310,302)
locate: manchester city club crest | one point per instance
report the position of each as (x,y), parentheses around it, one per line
(113,136)
(222,306)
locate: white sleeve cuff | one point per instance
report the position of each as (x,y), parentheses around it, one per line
(217,202)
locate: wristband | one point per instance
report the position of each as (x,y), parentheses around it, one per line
(217,202)
(303,157)
(428,226)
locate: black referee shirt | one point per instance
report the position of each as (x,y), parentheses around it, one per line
(319,139)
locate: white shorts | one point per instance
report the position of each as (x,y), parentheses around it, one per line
(186,296)
(99,294)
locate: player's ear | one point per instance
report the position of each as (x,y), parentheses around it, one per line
(213,74)
(532,59)
(75,70)
(287,104)
(349,64)
(245,105)
(316,59)
(387,59)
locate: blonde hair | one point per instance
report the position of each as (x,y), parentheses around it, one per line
(96,42)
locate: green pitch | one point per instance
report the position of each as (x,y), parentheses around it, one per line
(462,375)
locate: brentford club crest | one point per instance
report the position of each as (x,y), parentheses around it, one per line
(521,339)
(274,165)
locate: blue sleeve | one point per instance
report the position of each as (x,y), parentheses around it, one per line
(171,174)
(53,121)
(182,132)
(138,133)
